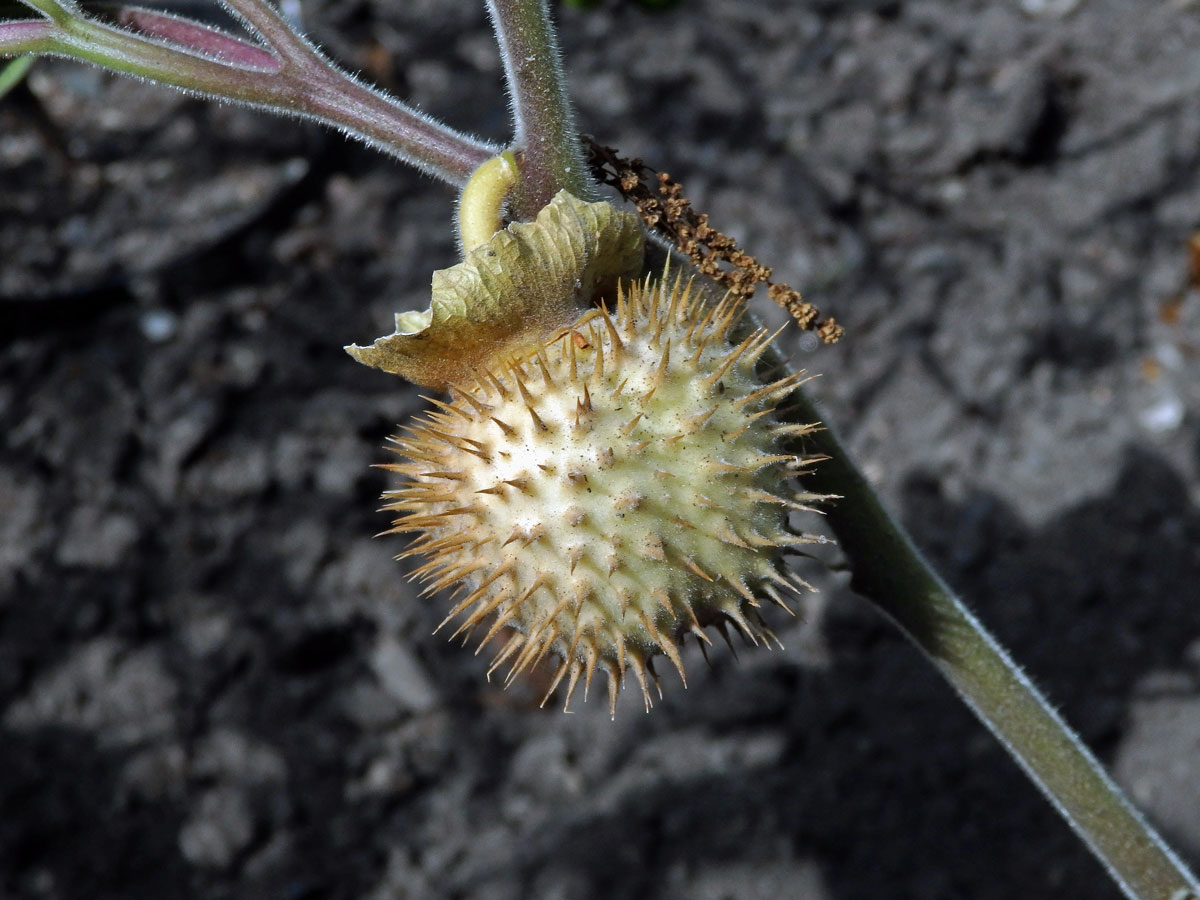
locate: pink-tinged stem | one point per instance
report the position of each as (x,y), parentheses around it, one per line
(199,39)
(274,29)
(288,76)
(24,36)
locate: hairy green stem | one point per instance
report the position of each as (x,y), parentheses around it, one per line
(288,76)
(58,11)
(889,571)
(546,143)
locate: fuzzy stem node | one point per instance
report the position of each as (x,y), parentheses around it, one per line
(546,143)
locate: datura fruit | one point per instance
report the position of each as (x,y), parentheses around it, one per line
(608,474)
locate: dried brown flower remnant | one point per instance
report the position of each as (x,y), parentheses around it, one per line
(1193,248)
(663,207)
(526,281)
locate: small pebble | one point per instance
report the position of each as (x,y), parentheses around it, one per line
(218,830)
(1165,414)
(1050,9)
(159,325)
(402,676)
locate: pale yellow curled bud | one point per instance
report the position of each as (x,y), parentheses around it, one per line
(481,207)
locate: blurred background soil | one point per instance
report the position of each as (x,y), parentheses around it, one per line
(214,683)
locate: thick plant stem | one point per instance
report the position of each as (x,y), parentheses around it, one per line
(546,143)
(890,572)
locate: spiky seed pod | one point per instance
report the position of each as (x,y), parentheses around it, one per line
(616,487)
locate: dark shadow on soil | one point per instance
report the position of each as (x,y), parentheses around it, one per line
(60,835)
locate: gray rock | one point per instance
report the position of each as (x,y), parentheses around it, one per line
(230,755)
(97,538)
(22,528)
(120,694)
(1155,758)
(218,830)
(401,674)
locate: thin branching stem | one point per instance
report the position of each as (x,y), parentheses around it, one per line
(546,143)
(892,574)
(55,10)
(274,29)
(285,75)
